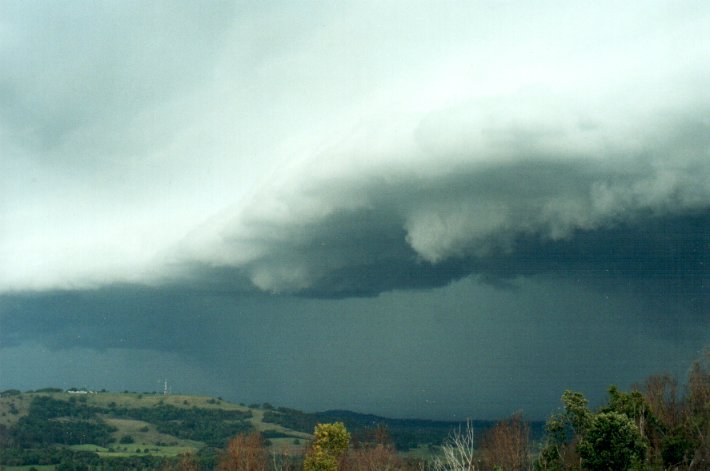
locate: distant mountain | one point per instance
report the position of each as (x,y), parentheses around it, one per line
(405,433)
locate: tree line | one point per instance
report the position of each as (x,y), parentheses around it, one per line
(656,426)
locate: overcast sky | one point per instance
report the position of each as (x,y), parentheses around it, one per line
(424,209)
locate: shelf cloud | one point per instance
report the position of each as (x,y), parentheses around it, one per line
(320,157)
(471,190)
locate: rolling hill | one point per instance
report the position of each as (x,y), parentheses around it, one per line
(46,426)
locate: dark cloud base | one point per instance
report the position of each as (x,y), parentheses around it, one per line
(664,260)
(670,251)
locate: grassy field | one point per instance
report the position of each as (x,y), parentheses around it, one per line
(135,400)
(14,407)
(257,421)
(145,434)
(140,448)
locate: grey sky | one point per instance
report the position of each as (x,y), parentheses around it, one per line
(463,206)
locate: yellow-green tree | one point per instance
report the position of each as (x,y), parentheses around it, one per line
(330,442)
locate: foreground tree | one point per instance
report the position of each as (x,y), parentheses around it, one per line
(378,457)
(373,449)
(612,442)
(697,416)
(564,431)
(661,395)
(681,436)
(506,446)
(611,439)
(244,453)
(669,444)
(458,452)
(281,460)
(330,442)
(187,462)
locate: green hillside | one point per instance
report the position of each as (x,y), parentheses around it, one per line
(43,427)
(107,430)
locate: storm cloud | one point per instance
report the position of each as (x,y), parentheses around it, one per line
(156,140)
(513,190)
(419,205)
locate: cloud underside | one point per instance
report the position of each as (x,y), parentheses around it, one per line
(517,198)
(670,250)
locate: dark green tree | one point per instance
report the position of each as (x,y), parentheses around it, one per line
(677,448)
(612,442)
(577,411)
(563,431)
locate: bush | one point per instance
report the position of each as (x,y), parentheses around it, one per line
(613,441)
